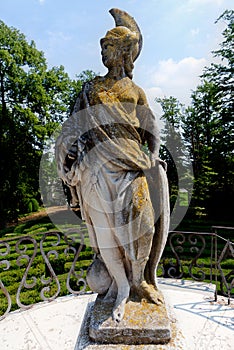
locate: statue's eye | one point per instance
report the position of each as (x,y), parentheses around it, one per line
(105,46)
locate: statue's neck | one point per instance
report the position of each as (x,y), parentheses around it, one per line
(116,73)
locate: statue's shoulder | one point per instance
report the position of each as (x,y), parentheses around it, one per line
(141,94)
(97,80)
(85,94)
(135,86)
(89,85)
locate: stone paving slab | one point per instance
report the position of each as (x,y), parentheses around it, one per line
(46,326)
(197,323)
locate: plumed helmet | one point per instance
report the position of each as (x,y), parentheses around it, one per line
(126,30)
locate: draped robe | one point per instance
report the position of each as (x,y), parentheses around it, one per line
(101,157)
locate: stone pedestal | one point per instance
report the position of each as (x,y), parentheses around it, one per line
(143,323)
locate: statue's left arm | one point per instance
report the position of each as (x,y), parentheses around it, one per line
(149,131)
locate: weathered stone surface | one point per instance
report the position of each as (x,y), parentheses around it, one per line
(143,323)
(101,158)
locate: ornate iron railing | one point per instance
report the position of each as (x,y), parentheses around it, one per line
(46,265)
(202,257)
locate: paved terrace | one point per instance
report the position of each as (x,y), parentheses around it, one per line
(197,322)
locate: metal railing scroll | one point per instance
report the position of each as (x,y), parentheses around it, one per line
(43,266)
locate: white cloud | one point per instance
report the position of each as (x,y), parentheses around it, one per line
(177,78)
(41,1)
(184,70)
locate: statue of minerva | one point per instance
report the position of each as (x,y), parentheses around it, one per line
(107,153)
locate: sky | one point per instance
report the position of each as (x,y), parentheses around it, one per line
(178,37)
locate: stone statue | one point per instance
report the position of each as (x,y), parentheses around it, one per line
(107,153)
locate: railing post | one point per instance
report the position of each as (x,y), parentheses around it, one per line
(216,267)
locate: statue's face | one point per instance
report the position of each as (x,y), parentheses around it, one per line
(118,44)
(114,44)
(109,53)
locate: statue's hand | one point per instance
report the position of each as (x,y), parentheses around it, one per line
(156,161)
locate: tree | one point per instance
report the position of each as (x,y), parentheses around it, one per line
(209,126)
(53,191)
(170,138)
(206,129)
(199,132)
(220,75)
(174,152)
(33,100)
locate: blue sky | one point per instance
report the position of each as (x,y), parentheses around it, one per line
(179,36)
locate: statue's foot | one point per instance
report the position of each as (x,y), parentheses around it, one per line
(119,307)
(118,311)
(149,292)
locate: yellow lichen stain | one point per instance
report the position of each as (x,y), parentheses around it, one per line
(140,192)
(138,347)
(108,91)
(138,315)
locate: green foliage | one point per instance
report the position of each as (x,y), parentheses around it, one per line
(206,130)
(32,226)
(220,78)
(209,127)
(31,205)
(174,152)
(34,100)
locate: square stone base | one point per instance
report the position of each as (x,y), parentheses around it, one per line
(143,323)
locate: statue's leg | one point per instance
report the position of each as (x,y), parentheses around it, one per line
(143,243)
(160,195)
(112,292)
(141,229)
(140,287)
(146,284)
(138,268)
(114,263)
(113,259)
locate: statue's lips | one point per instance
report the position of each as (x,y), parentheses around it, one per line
(104,58)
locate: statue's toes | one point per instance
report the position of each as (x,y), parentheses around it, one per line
(150,293)
(118,313)
(158,300)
